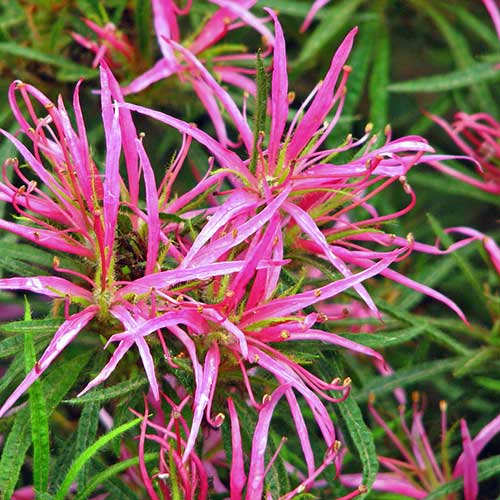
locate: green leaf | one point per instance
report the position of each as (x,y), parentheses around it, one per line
(472,75)
(71,70)
(360,435)
(87,430)
(405,377)
(101,395)
(38,416)
(110,472)
(488,383)
(14,344)
(35,326)
(88,453)
(334,20)
(143,27)
(490,467)
(380,340)
(260,109)
(379,80)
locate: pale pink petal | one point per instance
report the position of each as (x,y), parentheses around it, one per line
(225,99)
(494,13)
(50,286)
(227,158)
(153,217)
(322,102)
(316,6)
(279,95)
(386,482)
(237,474)
(63,336)
(255,483)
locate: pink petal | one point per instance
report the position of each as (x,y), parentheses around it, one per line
(227,158)
(225,99)
(202,396)
(50,286)
(237,474)
(322,103)
(279,96)
(255,483)
(63,336)
(316,6)
(153,217)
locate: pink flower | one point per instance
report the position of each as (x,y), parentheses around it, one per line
(417,473)
(478,136)
(111,42)
(227,67)
(295,179)
(78,212)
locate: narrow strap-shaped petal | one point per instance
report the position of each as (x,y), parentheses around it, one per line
(129,134)
(202,396)
(220,246)
(386,482)
(226,158)
(166,279)
(153,216)
(226,100)
(216,27)
(307,224)
(469,471)
(50,286)
(63,336)
(279,93)
(255,483)
(236,203)
(285,306)
(47,238)
(247,17)
(111,199)
(118,353)
(161,69)
(322,102)
(162,14)
(237,477)
(316,6)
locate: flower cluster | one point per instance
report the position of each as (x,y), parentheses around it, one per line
(223,290)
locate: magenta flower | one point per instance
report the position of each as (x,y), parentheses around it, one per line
(418,472)
(227,67)
(111,43)
(78,213)
(478,136)
(293,177)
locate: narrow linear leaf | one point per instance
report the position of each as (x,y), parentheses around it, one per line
(381,340)
(38,416)
(402,378)
(88,453)
(110,472)
(19,438)
(101,395)
(36,326)
(14,49)
(87,429)
(12,345)
(475,73)
(359,433)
